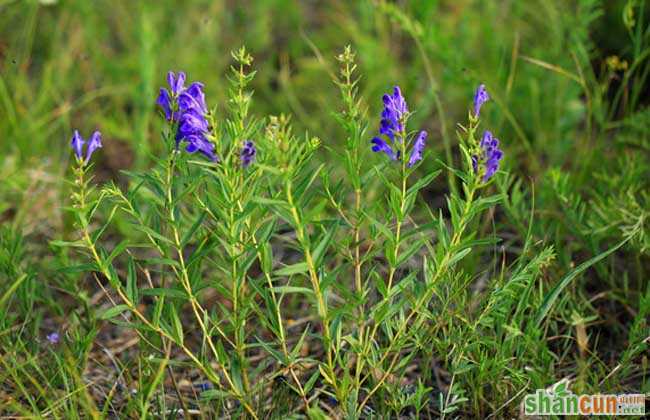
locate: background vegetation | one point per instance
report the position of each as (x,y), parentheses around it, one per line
(569,83)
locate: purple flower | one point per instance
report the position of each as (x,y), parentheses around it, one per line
(490,155)
(165,102)
(391,129)
(198,143)
(204,386)
(77,144)
(176,84)
(53,338)
(166,99)
(480,97)
(191,123)
(381,146)
(248,153)
(392,116)
(94,143)
(391,124)
(193,98)
(193,127)
(418,148)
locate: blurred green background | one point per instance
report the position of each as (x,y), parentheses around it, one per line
(99,64)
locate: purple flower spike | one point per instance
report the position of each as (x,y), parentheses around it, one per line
(193,127)
(392,129)
(391,124)
(418,148)
(248,153)
(53,338)
(392,116)
(94,143)
(490,157)
(77,144)
(480,97)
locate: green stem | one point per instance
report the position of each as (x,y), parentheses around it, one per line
(441,270)
(269,282)
(400,217)
(398,231)
(104,270)
(238,285)
(315,283)
(185,281)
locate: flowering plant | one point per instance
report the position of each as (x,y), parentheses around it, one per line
(206,278)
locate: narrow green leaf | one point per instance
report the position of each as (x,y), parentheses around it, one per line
(292,289)
(289,270)
(80,268)
(132,282)
(10,291)
(158,291)
(380,226)
(320,249)
(236,373)
(410,251)
(552,296)
(311,381)
(458,256)
(316,413)
(119,248)
(161,261)
(423,182)
(64,244)
(177,325)
(273,352)
(296,349)
(197,223)
(152,233)
(98,233)
(113,311)
(270,202)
